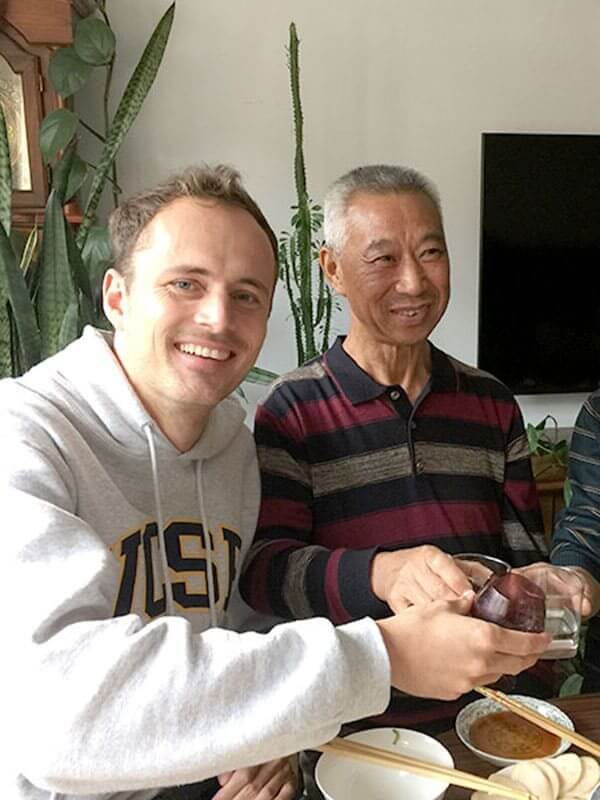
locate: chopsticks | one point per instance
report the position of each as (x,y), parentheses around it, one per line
(542,722)
(386,758)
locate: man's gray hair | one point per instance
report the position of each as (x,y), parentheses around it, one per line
(370,179)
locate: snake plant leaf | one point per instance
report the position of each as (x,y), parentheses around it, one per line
(260,376)
(14,290)
(68,173)
(5,175)
(79,273)
(77,175)
(55,290)
(6,360)
(94,41)
(61,170)
(56,131)
(69,328)
(97,257)
(87,313)
(97,246)
(68,72)
(30,250)
(129,107)
(97,272)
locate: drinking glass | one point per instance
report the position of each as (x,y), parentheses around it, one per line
(563,590)
(479,568)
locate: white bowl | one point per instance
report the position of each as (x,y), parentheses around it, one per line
(342,778)
(481,708)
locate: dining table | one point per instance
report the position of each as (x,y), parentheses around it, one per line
(583,709)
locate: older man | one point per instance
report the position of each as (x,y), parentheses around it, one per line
(384,456)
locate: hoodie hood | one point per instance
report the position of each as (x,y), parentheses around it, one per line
(95,391)
(178,523)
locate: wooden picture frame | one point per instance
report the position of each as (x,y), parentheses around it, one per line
(29,33)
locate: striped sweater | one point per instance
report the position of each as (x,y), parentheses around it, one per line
(350,467)
(576,539)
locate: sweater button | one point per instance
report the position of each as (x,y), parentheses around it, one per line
(395,394)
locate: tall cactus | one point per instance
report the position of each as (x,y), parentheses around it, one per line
(309,296)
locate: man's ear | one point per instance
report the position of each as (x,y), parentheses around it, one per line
(331,270)
(114,297)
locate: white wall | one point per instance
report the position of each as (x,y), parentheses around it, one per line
(399,81)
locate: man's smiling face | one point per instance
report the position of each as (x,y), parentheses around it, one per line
(191,321)
(393,267)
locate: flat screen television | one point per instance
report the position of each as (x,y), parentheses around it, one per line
(539,280)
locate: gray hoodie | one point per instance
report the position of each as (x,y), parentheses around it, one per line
(123,675)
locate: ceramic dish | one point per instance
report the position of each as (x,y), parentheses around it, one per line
(481,708)
(346,779)
(556,783)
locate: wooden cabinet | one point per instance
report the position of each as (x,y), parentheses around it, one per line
(551,502)
(29,33)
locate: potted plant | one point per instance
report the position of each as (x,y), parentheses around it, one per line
(49,284)
(549,453)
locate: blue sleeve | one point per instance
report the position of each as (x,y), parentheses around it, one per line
(576,539)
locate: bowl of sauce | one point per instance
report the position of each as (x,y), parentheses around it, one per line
(503,738)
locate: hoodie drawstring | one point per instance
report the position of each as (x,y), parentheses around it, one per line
(207,548)
(170,605)
(162,547)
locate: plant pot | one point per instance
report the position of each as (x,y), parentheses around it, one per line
(547,470)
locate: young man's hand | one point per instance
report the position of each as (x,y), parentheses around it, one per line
(437,651)
(416,576)
(275,780)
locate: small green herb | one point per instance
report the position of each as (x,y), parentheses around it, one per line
(396,736)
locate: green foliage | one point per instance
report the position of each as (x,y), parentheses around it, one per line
(56,131)
(5,176)
(49,292)
(553,450)
(262,376)
(135,93)
(571,670)
(309,296)
(542,443)
(94,41)
(68,72)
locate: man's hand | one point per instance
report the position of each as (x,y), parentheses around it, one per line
(590,604)
(437,651)
(416,576)
(590,597)
(275,780)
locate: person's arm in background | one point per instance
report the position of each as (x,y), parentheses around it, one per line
(522,525)
(576,541)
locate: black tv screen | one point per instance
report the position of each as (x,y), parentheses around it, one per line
(539,281)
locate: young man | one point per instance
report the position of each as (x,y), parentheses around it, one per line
(131,489)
